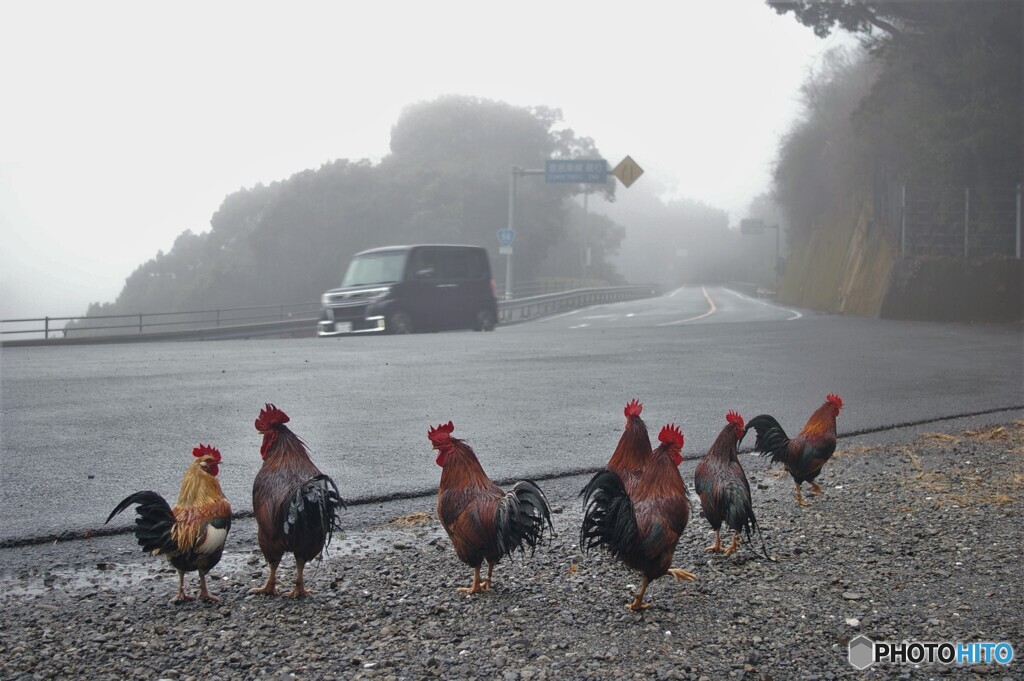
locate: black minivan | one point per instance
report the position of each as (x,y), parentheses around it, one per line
(403,289)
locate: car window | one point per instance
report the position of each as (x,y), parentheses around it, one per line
(454,263)
(375,268)
(424,264)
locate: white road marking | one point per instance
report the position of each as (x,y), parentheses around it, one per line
(601,316)
(676,291)
(558,316)
(579,326)
(796,315)
(710,312)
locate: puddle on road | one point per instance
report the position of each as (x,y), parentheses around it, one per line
(236,564)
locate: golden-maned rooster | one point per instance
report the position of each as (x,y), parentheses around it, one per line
(483,521)
(637,506)
(805,454)
(191,535)
(723,489)
(296,506)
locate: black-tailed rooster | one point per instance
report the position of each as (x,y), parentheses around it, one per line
(191,535)
(296,506)
(805,454)
(723,489)
(483,521)
(637,506)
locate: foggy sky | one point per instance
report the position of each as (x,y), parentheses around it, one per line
(127,123)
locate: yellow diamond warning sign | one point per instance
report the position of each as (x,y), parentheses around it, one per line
(628,171)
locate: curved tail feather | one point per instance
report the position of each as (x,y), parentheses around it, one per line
(608,519)
(521,517)
(743,518)
(313,511)
(153,524)
(771,438)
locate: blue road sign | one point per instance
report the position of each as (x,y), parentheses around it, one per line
(589,171)
(506,236)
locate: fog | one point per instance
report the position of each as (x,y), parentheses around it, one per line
(128,125)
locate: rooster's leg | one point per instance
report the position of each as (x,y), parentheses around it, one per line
(638,603)
(734,545)
(203,593)
(298,591)
(682,574)
(717,546)
(815,488)
(490,569)
(800,497)
(477,586)
(182,597)
(270,588)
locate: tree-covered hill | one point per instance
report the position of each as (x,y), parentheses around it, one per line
(445,180)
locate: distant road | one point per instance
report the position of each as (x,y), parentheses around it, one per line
(82,427)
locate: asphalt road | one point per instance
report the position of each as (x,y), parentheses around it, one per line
(82,427)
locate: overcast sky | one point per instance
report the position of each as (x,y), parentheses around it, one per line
(125,123)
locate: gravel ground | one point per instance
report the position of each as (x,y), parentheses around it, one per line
(914,541)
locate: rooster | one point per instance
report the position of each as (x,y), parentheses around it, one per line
(191,535)
(296,506)
(483,521)
(637,506)
(805,454)
(723,489)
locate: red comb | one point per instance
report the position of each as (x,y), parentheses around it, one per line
(441,434)
(671,435)
(269,417)
(633,408)
(734,418)
(206,450)
(834,399)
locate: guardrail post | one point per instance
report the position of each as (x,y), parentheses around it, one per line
(218,318)
(140,322)
(46,320)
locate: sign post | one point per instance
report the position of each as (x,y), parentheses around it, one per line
(567,171)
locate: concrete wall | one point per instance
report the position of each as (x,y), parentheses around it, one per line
(851,265)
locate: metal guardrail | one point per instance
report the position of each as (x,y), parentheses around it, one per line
(156,323)
(524,309)
(275,320)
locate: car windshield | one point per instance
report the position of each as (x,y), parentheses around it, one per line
(375,268)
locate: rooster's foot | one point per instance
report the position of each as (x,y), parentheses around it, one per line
(715,548)
(682,574)
(297,592)
(477,587)
(208,597)
(733,546)
(636,606)
(268,590)
(815,489)
(182,597)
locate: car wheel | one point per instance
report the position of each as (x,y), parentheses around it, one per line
(484,321)
(398,323)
